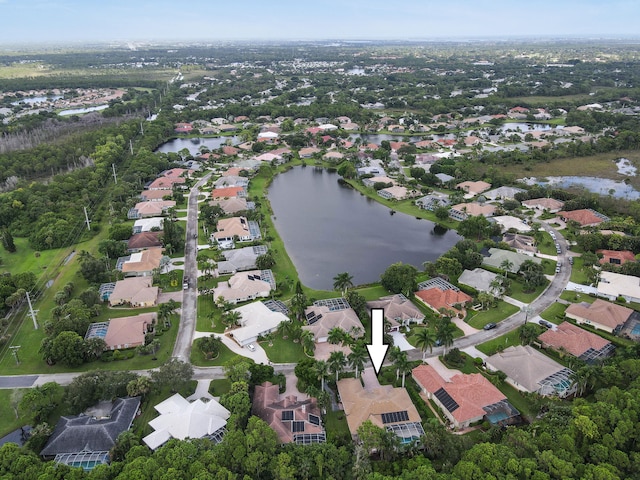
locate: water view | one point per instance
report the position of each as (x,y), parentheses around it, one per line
(328,229)
(194,144)
(79,111)
(601,186)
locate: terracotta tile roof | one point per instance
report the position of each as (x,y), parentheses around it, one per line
(584,217)
(397,307)
(227,150)
(226,192)
(144,240)
(437,298)
(573,339)
(474,187)
(622,255)
(601,312)
(346,319)
(548,203)
(154,195)
(144,261)
(471,392)
(269,406)
(128,331)
(165,183)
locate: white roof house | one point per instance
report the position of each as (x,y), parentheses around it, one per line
(243,286)
(147,224)
(612,285)
(479,279)
(182,419)
(256,320)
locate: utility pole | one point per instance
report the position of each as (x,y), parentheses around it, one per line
(14,351)
(113,167)
(86,218)
(32,312)
(141,129)
(131,146)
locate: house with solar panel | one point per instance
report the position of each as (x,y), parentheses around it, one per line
(293,420)
(330,313)
(386,407)
(465,399)
(245,286)
(530,371)
(85,440)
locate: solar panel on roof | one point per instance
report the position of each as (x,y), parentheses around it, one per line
(310,315)
(311,321)
(297,427)
(445,399)
(394,417)
(287,415)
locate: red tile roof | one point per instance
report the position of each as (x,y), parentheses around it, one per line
(584,217)
(437,298)
(600,312)
(573,339)
(227,192)
(471,392)
(622,255)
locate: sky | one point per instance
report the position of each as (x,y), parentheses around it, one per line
(63,21)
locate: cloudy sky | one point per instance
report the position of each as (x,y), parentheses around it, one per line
(38,21)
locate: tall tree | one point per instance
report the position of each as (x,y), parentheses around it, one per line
(357,357)
(337,361)
(299,301)
(343,282)
(7,240)
(425,339)
(445,330)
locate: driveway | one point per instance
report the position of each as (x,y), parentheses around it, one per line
(164,297)
(464,326)
(399,340)
(370,379)
(439,367)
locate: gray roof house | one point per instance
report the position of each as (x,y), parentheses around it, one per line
(503,193)
(433,201)
(85,440)
(529,370)
(398,310)
(240,259)
(497,256)
(479,279)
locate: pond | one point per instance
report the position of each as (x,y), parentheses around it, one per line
(600,186)
(194,144)
(79,111)
(328,228)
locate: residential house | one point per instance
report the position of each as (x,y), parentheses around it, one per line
(166,183)
(141,264)
(308,152)
(294,421)
(240,259)
(616,257)
(333,156)
(600,314)
(520,243)
(497,256)
(571,339)
(148,224)
(256,320)
(233,205)
(231,181)
(503,193)
(230,151)
(530,371)
(154,195)
(134,291)
(462,211)
(182,420)
(398,310)
(144,240)
(386,407)
(235,228)
(370,182)
(228,192)
(479,279)
(85,440)
(465,398)
(433,201)
(449,300)
(322,317)
(123,332)
(244,286)
(393,193)
(473,188)
(444,178)
(550,204)
(585,217)
(150,209)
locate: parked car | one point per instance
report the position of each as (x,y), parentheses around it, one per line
(571,260)
(544,323)
(489,326)
(251,347)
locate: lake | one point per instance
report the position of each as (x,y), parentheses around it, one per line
(600,186)
(194,144)
(78,111)
(328,229)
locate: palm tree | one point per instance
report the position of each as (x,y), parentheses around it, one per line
(394,354)
(298,301)
(425,338)
(336,336)
(308,342)
(357,357)
(506,265)
(445,330)
(343,282)
(337,361)
(403,365)
(322,370)
(231,318)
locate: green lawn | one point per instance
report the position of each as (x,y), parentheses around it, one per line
(468,367)
(412,335)
(141,423)
(555,313)
(576,297)
(209,316)
(500,343)
(225,355)
(493,315)
(336,425)
(26,259)
(283,350)
(579,272)
(547,245)
(517,292)
(8,420)
(219,387)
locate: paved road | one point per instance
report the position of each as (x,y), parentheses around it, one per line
(187,327)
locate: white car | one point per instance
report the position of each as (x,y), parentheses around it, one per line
(251,347)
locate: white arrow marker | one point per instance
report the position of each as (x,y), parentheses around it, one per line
(377,350)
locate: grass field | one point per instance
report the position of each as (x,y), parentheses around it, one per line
(8,420)
(518,293)
(225,355)
(555,313)
(492,315)
(283,350)
(507,340)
